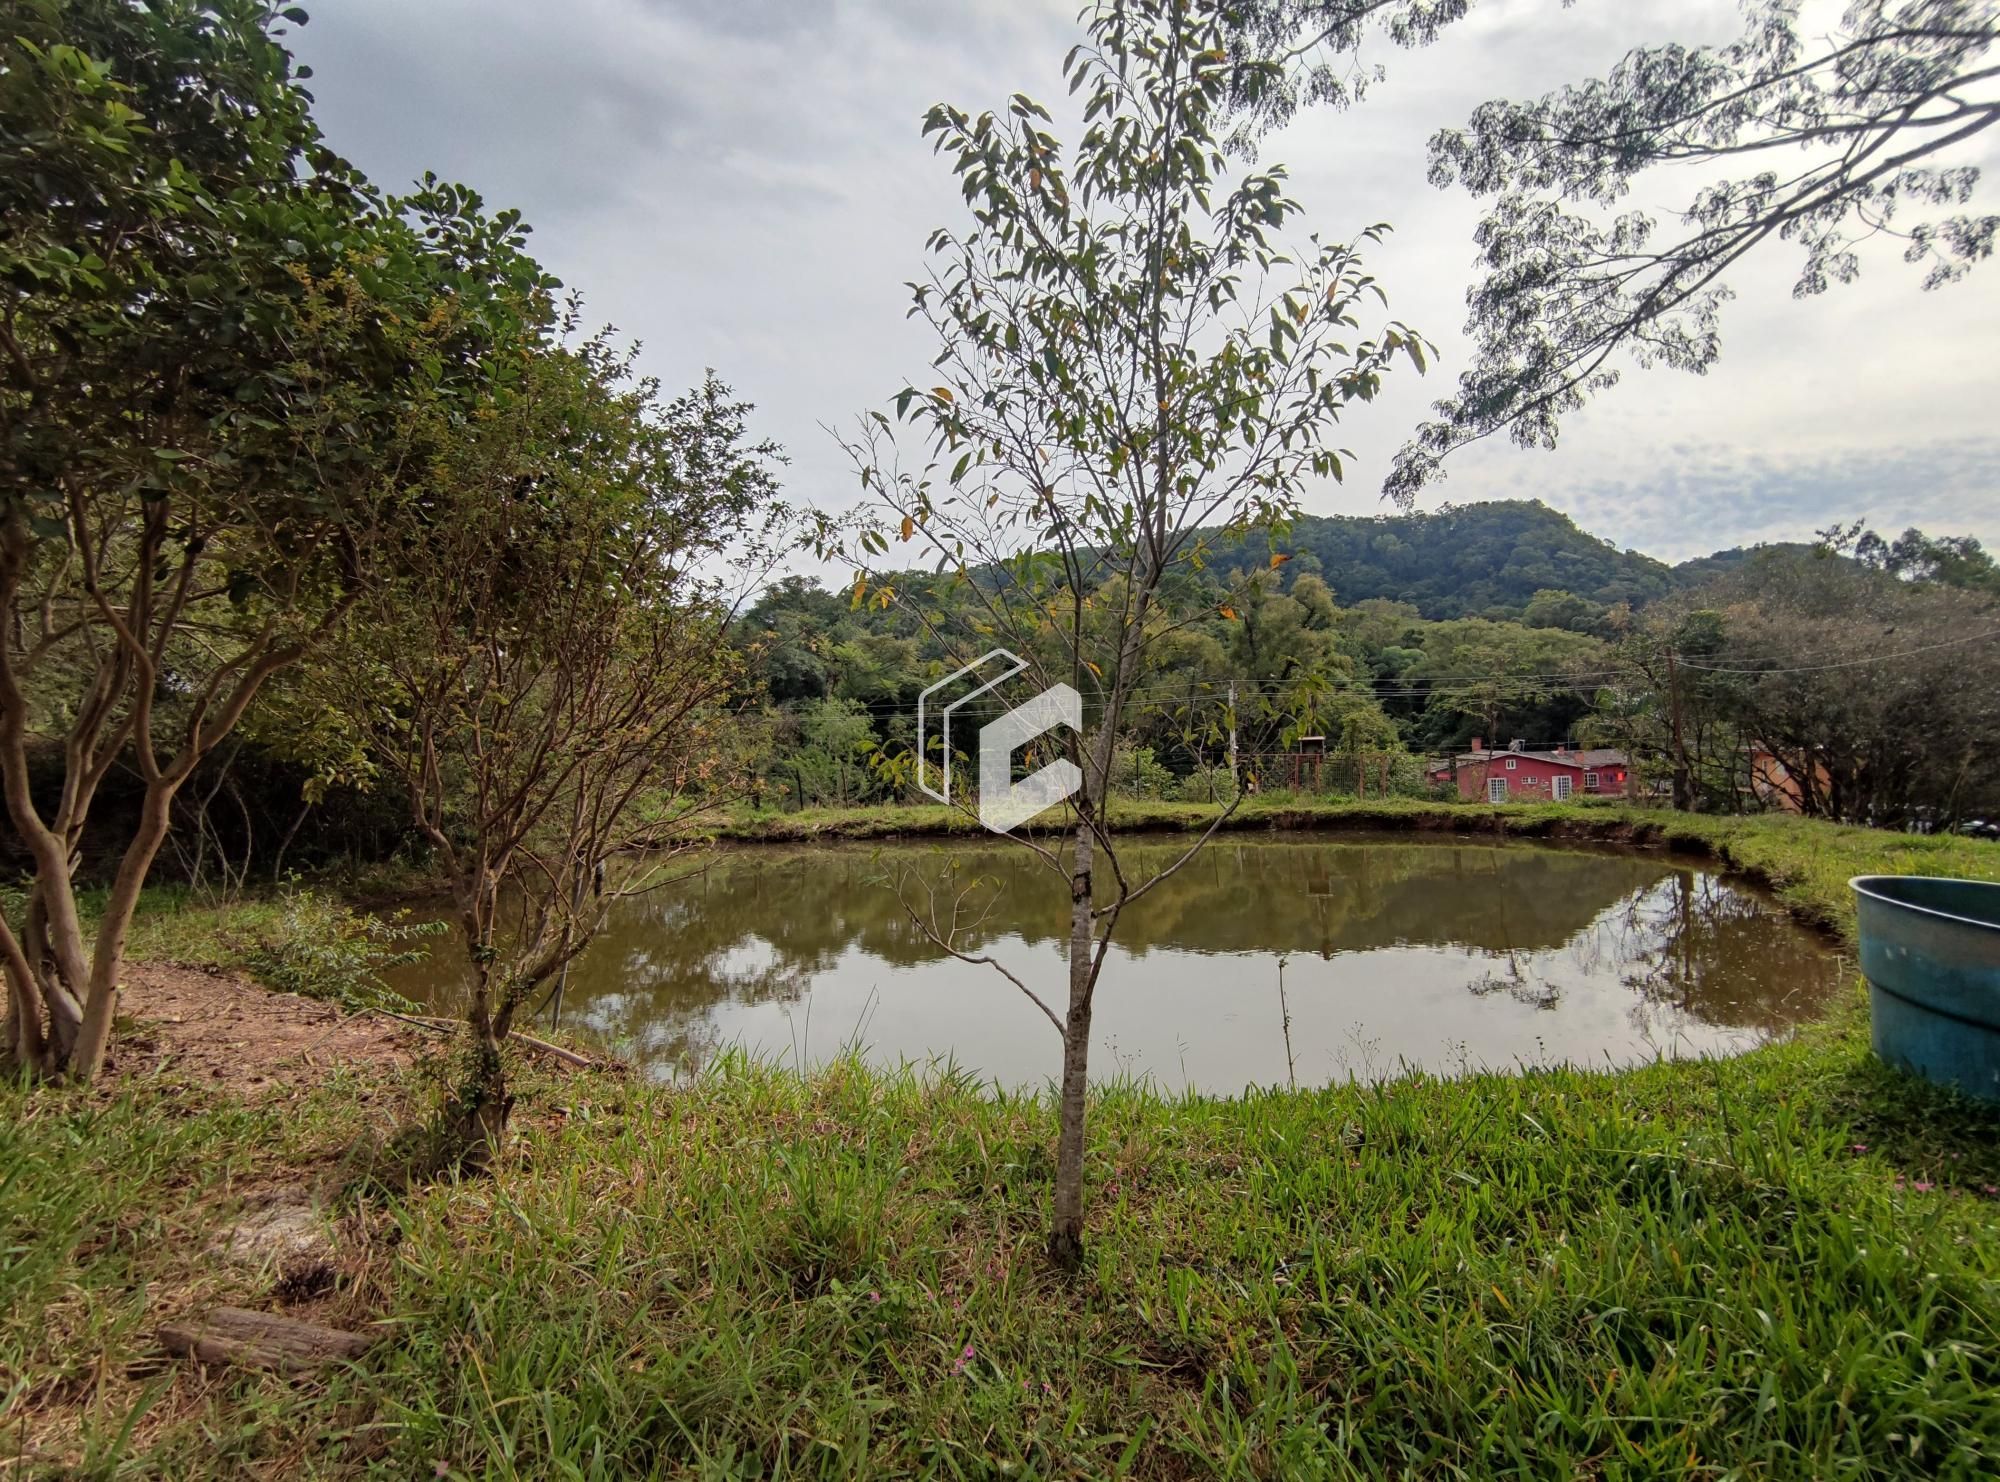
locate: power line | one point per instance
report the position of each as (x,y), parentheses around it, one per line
(1851,663)
(1425,687)
(1411,686)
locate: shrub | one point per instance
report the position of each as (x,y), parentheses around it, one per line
(1205,785)
(326,950)
(1136,773)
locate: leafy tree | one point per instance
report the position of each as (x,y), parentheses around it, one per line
(1126,357)
(787,633)
(1286,651)
(1951,560)
(1829,136)
(1368,745)
(1554,608)
(1876,694)
(214,343)
(1673,706)
(1298,53)
(548,675)
(837,739)
(1502,678)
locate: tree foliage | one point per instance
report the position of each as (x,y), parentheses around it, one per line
(215,340)
(547,671)
(244,397)
(1128,357)
(1487,559)
(1820,683)
(1824,138)
(1913,556)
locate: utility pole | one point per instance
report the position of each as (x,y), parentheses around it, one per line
(1683,783)
(1235,784)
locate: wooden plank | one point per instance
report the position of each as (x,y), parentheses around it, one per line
(262,1340)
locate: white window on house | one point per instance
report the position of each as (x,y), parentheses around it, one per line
(1590,782)
(1512,762)
(1496,789)
(1562,788)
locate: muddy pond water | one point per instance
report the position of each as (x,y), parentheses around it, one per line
(1267,960)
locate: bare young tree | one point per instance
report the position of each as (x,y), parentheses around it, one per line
(1128,362)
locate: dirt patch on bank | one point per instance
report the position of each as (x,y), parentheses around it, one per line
(217,1027)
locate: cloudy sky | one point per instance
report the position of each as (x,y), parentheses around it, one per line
(741,184)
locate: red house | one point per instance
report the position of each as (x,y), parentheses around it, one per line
(1523,774)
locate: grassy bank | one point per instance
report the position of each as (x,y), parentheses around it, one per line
(1784,1265)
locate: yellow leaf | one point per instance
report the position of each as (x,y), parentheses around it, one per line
(942,393)
(1230,613)
(1278,558)
(909,527)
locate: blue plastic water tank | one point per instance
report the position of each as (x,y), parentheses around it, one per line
(1931,951)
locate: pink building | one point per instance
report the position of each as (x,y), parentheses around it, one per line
(1521,774)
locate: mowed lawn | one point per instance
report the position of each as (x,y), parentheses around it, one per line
(1784,1265)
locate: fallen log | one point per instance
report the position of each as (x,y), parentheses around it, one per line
(262,1340)
(446,1026)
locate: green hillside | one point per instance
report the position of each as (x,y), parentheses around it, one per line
(1474,560)
(1725,563)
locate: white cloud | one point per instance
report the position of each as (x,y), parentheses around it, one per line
(742,184)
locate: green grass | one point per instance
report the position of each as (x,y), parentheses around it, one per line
(1784,1265)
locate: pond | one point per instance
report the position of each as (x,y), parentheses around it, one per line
(1278,959)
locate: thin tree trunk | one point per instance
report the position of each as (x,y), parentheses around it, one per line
(479,1119)
(61,931)
(476,1118)
(25,1043)
(1066,1228)
(100,1008)
(285,844)
(65,1013)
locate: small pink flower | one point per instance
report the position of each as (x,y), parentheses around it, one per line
(1921,1187)
(1989,1188)
(1859,1147)
(875,1297)
(966,1352)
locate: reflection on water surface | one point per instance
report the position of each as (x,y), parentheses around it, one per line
(1446,955)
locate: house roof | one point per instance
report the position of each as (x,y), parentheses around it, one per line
(1600,756)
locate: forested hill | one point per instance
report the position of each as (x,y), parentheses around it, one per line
(1474,560)
(1724,563)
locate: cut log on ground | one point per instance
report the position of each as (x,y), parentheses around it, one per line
(262,1340)
(447,1026)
